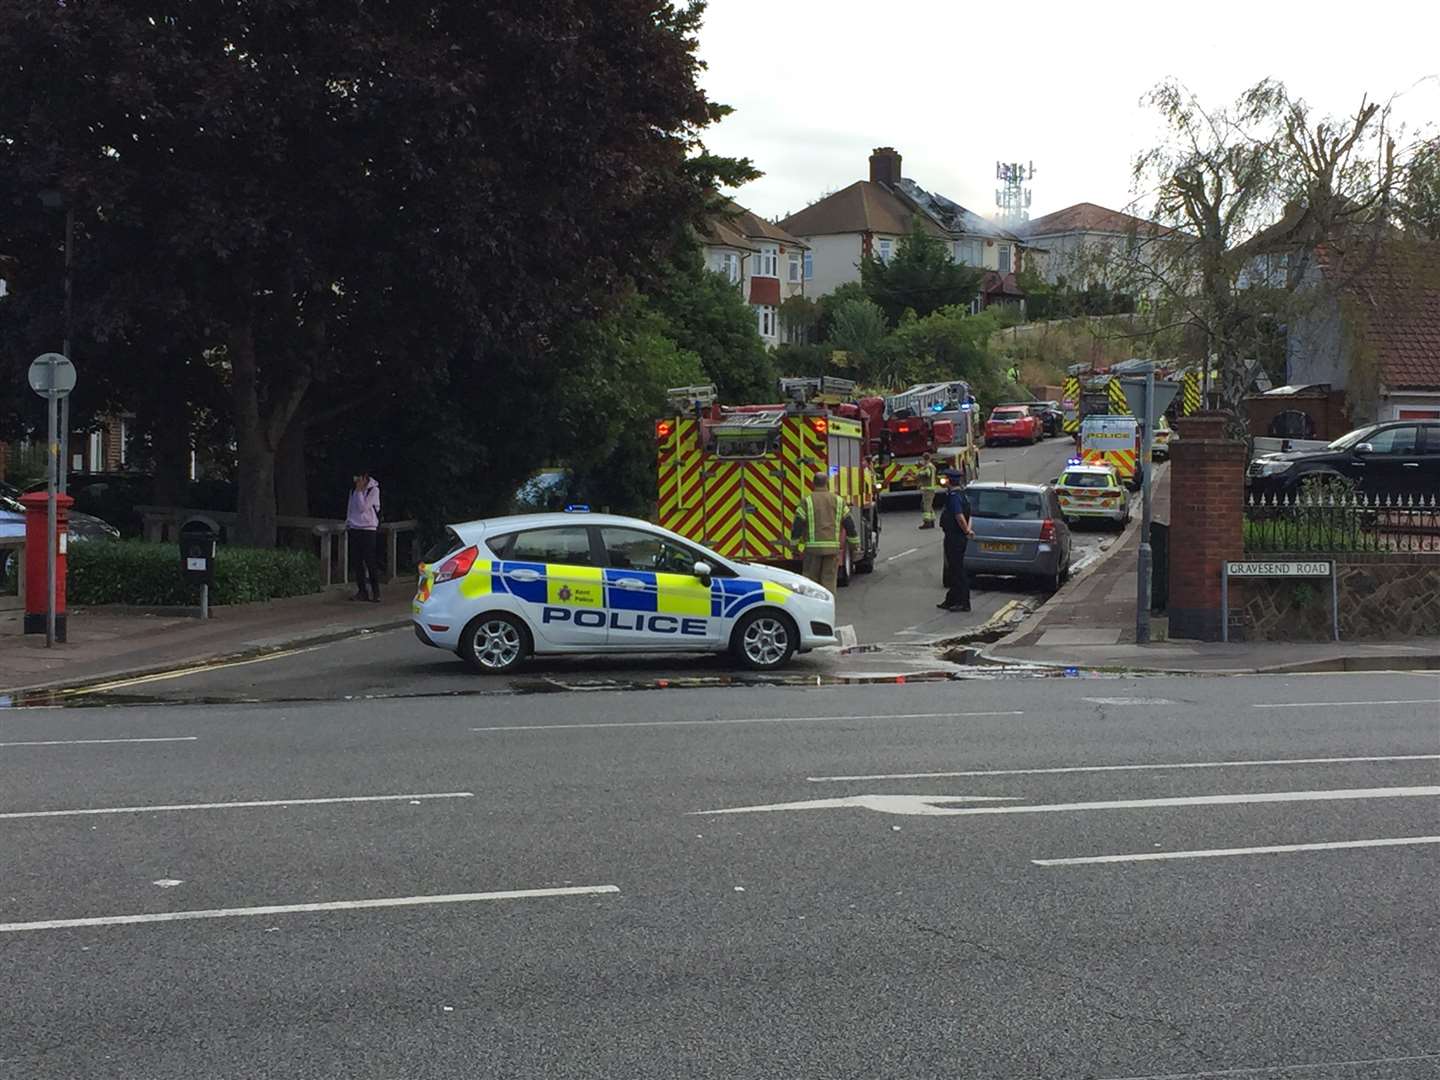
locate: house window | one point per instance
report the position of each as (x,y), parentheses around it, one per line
(767,263)
(795,268)
(765,318)
(97,452)
(732,267)
(885,249)
(1004,258)
(967,252)
(809,265)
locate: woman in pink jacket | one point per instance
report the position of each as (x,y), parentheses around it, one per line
(362,528)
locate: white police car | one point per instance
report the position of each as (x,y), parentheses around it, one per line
(499,590)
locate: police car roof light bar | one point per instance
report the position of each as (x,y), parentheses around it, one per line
(578,508)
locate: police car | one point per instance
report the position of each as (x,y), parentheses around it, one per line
(1092,491)
(500,590)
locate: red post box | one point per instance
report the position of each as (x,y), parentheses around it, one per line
(37,593)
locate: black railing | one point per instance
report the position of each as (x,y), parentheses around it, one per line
(1340,523)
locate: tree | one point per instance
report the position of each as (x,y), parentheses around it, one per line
(1420,200)
(1238,187)
(920,277)
(352,204)
(857,328)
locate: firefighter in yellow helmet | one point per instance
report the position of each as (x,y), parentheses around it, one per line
(926,480)
(822,523)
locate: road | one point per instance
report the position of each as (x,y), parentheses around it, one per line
(894,607)
(890,925)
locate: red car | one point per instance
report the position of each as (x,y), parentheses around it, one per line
(1013,423)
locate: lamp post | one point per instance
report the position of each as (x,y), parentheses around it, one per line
(54,200)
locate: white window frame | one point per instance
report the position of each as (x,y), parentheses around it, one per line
(1002,258)
(809,266)
(885,249)
(767,262)
(765,320)
(796,270)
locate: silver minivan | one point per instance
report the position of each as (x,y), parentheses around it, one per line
(1019,531)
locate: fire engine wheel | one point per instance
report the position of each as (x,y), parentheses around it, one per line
(842,576)
(494,643)
(765,640)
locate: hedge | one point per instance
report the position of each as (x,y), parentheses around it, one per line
(149,575)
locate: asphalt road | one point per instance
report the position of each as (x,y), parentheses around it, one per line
(893,607)
(892,931)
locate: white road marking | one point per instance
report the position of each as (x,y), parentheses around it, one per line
(94,742)
(927,804)
(1343,704)
(288,909)
(1215,853)
(902,554)
(1127,768)
(746,720)
(1129,701)
(1277,1071)
(232,805)
(169,882)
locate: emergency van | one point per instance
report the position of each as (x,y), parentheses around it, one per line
(733,477)
(500,590)
(1114,441)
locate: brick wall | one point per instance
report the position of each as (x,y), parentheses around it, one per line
(1325,407)
(1207,493)
(1382,597)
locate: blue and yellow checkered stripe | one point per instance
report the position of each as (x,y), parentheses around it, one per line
(593,587)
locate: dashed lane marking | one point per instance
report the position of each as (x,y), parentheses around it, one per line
(96,742)
(1129,768)
(175,807)
(746,720)
(1216,853)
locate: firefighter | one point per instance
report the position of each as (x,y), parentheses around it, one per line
(926,481)
(821,524)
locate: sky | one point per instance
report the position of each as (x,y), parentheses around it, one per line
(954,87)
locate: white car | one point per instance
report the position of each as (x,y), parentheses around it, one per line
(1092,492)
(499,590)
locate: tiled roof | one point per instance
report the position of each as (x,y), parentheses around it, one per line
(1400,288)
(861,207)
(1087,217)
(737,227)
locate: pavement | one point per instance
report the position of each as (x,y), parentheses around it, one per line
(1090,623)
(1092,878)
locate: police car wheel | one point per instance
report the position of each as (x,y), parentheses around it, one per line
(494,644)
(765,640)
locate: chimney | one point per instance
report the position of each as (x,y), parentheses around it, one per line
(885,166)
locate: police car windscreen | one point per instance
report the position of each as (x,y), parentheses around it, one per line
(1085,480)
(1008,505)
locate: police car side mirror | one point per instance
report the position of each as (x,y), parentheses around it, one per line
(703,571)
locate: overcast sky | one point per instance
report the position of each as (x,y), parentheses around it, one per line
(816,84)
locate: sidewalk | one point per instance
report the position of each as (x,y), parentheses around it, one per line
(105,644)
(1090,623)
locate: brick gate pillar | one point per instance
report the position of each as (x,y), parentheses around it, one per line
(1207,506)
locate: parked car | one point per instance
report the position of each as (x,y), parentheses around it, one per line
(12,525)
(1013,423)
(1093,492)
(1161,439)
(1019,531)
(1052,417)
(1395,458)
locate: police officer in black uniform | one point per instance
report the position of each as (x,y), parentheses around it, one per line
(955,523)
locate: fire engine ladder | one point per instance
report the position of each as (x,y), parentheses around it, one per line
(826,389)
(688,399)
(920,399)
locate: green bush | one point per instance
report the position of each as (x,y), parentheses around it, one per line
(149,575)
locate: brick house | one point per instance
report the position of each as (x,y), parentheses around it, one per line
(869,217)
(1372,330)
(766,263)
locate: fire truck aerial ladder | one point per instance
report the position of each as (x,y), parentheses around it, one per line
(733,477)
(937,418)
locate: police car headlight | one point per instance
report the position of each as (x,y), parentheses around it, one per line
(813,591)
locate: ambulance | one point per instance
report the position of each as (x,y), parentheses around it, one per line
(1114,441)
(501,590)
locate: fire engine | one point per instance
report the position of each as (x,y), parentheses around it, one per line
(934,418)
(732,477)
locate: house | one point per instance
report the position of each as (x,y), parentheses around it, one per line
(871,216)
(1088,244)
(766,263)
(1372,329)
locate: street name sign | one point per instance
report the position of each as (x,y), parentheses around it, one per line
(1278,569)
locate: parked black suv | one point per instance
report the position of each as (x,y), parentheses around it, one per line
(1400,457)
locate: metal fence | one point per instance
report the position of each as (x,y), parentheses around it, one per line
(1340,523)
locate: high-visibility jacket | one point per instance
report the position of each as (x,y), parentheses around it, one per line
(926,478)
(821,522)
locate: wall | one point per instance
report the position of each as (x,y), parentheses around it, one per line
(1413,407)
(1327,409)
(836,261)
(1382,597)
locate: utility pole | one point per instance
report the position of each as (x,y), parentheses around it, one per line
(1142,565)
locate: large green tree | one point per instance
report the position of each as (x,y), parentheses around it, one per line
(920,277)
(351,206)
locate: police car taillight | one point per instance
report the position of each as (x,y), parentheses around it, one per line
(458,565)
